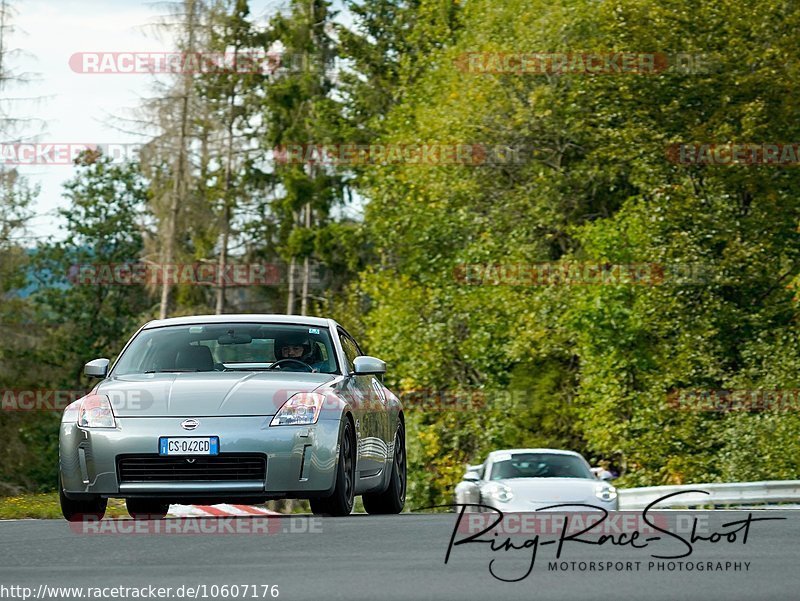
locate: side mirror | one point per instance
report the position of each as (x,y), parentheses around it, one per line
(98,368)
(369,366)
(472,477)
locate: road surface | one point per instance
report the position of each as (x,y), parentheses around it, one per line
(392,557)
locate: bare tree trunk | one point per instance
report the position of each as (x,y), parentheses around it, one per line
(222,264)
(291,294)
(179,182)
(306,266)
(3,11)
(227,216)
(304,298)
(168,254)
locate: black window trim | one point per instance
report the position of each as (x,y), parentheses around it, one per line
(339,368)
(345,334)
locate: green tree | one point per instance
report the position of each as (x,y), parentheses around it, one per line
(74,318)
(230,97)
(299,111)
(593,184)
(166,159)
(91,313)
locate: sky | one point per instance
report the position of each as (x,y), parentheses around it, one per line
(78,108)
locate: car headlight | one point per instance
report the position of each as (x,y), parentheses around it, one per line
(605,492)
(95,411)
(71,412)
(500,492)
(302,409)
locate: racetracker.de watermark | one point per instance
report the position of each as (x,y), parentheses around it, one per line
(57,400)
(598,525)
(157,63)
(583,63)
(419,399)
(38,399)
(581,273)
(422,154)
(734,400)
(207,526)
(149,591)
(63,153)
(562,273)
(192,274)
(594,523)
(735,153)
(133,399)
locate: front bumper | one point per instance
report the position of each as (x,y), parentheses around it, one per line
(300,460)
(523,506)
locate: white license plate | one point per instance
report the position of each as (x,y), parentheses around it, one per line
(168,445)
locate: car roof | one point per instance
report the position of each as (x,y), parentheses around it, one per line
(303,320)
(552,451)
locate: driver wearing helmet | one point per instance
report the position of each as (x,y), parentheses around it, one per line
(299,347)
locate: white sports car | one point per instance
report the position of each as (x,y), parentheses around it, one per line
(520,480)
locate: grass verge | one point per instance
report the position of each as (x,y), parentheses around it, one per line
(45,506)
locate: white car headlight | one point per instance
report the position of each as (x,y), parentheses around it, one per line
(302,409)
(71,412)
(95,412)
(499,492)
(605,492)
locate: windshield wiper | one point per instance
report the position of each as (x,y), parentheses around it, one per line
(315,371)
(170,371)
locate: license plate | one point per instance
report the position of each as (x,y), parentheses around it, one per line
(208,445)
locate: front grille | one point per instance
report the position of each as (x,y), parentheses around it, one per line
(230,467)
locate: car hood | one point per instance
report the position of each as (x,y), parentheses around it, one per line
(555,490)
(205,394)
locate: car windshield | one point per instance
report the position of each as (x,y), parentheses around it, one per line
(539,465)
(229,347)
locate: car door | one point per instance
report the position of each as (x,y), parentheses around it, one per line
(372,420)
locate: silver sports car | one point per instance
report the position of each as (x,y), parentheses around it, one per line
(522,480)
(234,408)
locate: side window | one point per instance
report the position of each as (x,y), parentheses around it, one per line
(320,354)
(350,350)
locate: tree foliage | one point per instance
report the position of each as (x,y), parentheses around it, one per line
(581,173)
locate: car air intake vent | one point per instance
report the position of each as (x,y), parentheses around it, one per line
(230,467)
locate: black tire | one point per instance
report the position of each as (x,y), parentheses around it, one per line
(147,509)
(340,503)
(393,499)
(81,510)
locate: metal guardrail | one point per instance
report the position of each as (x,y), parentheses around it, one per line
(719,494)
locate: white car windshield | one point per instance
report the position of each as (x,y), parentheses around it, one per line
(229,347)
(540,465)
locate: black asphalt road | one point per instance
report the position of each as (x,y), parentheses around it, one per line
(398,557)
